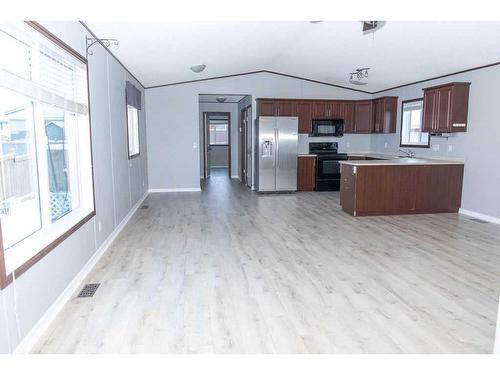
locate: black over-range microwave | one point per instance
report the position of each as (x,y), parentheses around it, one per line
(327,128)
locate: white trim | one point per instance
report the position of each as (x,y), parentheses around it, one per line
(175,190)
(496,349)
(477,215)
(29,341)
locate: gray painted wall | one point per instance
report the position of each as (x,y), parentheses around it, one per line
(479,146)
(119,184)
(232,108)
(173,120)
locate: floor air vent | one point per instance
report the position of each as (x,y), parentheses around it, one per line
(145,207)
(88,291)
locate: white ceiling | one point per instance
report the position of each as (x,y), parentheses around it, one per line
(211,98)
(400,52)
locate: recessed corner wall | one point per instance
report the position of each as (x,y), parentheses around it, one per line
(173,120)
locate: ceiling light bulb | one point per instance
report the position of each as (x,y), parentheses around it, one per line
(198,68)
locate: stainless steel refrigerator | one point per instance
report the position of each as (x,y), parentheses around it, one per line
(276,152)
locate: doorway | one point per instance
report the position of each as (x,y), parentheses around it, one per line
(217,143)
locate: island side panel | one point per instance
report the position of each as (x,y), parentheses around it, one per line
(348,189)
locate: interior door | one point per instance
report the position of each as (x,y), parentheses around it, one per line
(208,148)
(286,153)
(249,160)
(243,142)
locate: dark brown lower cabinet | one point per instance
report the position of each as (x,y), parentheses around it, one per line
(306,173)
(401,189)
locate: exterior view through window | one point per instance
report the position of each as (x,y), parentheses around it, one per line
(218,132)
(45,162)
(411,124)
(133,130)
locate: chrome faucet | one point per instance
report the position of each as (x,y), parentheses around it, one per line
(409,153)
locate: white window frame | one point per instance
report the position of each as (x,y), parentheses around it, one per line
(22,255)
(402,127)
(136,125)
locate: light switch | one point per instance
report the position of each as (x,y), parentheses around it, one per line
(348,145)
(450,148)
(385,145)
(195,145)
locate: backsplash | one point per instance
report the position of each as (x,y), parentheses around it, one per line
(347,143)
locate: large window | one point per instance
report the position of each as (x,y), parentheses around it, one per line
(218,132)
(46,186)
(133,98)
(411,124)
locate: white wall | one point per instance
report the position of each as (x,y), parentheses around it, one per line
(232,108)
(479,146)
(173,120)
(118,187)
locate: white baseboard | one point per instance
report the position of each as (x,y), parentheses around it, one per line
(477,215)
(175,190)
(496,348)
(29,341)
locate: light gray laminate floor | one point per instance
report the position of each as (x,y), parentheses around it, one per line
(229,271)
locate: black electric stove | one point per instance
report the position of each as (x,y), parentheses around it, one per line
(327,166)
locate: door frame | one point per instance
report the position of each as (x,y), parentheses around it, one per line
(243,145)
(206,115)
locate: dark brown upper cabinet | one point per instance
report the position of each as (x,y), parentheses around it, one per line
(287,108)
(320,109)
(267,108)
(348,117)
(304,113)
(446,107)
(385,111)
(363,117)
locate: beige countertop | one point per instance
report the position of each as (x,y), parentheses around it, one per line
(401,161)
(308,155)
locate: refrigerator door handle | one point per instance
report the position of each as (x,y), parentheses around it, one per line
(277,143)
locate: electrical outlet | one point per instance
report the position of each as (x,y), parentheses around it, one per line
(435,147)
(385,145)
(450,148)
(348,144)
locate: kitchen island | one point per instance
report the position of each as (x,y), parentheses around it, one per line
(393,186)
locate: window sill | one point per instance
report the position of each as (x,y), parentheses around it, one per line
(15,257)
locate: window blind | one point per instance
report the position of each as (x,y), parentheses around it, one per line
(133,95)
(63,83)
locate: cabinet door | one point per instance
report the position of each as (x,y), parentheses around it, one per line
(390,115)
(306,173)
(287,109)
(378,117)
(305,119)
(443,120)
(268,108)
(337,110)
(320,110)
(363,117)
(348,117)
(428,124)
